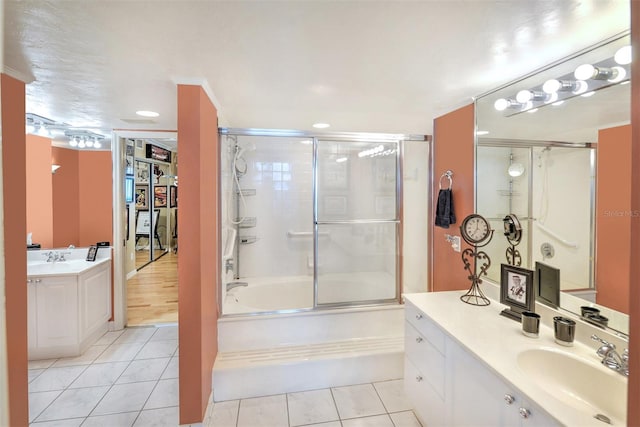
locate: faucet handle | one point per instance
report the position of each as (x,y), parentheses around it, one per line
(603,342)
(625,355)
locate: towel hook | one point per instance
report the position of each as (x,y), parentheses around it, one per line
(448,174)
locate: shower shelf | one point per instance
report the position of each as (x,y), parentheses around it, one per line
(247,222)
(247,240)
(507,193)
(247,191)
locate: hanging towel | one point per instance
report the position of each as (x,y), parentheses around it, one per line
(445,215)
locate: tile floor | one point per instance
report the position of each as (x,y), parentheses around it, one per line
(130,378)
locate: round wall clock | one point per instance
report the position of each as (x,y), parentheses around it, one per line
(475,229)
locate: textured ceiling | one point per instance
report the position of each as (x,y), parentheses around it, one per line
(377,66)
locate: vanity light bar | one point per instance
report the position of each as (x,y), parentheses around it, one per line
(587,78)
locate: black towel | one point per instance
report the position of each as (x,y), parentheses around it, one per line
(445,215)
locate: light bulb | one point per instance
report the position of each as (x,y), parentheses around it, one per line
(619,74)
(89,143)
(31,128)
(585,72)
(73,142)
(581,87)
(501,104)
(81,144)
(524,96)
(551,86)
(623,55)
(97,144)
(553,97)
(42,131)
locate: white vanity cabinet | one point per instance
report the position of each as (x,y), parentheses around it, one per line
(449,386)
(67,312)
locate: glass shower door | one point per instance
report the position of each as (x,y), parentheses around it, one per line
(357,222)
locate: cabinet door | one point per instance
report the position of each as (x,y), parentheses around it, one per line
(56,311)
(95,299)
(478,395)
(32,336)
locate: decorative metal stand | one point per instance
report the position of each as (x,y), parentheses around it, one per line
(513,233)
(513,256)
(474,295)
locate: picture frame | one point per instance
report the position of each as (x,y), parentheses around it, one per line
(92,252)
(160,196)
(516,291)
(173,196)
(142,196)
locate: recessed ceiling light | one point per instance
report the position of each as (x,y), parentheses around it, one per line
(482,132)
(145,113)
(321,125)
(306,142)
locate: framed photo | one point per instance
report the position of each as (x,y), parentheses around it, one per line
(91,253)
(160,196)
(516,291)
(142,198)
(173,196)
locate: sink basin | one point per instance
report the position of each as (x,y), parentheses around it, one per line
(61,267)
(583,384)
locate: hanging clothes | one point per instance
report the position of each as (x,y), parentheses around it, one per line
(445,215)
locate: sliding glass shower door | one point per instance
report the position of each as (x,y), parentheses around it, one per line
(356,219)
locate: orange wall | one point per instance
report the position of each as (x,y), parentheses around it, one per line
(613,217)
(12,103)
(95,191)
(82,197)
(66,205)
(39,190)
(453,149)
(633,414)
(197,271)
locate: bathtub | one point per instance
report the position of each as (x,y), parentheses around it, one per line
(269,294)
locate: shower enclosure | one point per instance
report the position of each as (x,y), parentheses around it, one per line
(309,221)
(551,189)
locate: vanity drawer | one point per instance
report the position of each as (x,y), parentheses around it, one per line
(425,326)
(428,405)
(429,361)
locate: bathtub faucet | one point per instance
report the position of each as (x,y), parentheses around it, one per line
(232,285)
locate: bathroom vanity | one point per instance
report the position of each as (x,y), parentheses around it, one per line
(467,365)
(69,303)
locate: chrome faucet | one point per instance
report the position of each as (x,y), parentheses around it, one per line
(62,254)
(52,256)
(232,285)
(610,357)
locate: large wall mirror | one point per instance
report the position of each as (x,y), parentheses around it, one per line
(538,157)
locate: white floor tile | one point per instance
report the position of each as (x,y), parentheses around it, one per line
(376,421)
(84,359)
(357,401)
(392,395)
(154,349)
(119,353)
(39,401)
(41,364)
(268,411)
(74,422)
(172,369)
(125,419)
(125,398)
(73,403)
(165,333)
(108,338)
(131,335)
(100,374)
(169,417)
(225,414)
(164,395)
(144,370)
(329,424)
(56,378)
(405,419)
(311,407)
(34,373)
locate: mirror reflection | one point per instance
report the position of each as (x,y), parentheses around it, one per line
(557,156)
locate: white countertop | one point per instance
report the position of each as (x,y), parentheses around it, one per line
(74,264)
(496,341)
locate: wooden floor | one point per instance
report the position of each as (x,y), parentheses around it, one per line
(152,294)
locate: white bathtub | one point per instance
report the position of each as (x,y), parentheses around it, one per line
(266,294)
